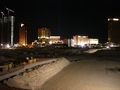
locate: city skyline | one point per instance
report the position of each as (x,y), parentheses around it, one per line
(62,17)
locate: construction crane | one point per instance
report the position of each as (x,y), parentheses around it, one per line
(2,13)
(9,10)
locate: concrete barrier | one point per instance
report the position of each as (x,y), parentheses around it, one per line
(35,78)
(23,69)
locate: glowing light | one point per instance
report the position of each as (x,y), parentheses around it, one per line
(23,44)
(82,44)
(84,36)
(111,45)
(8,46)
(16,45)
(27,58)
(46,37)
(22,24)
(50,42)
(115,19)
(43,42)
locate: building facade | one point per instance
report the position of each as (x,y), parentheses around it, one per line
(93,41)
(114,30)
(7,30)
(44,35)
(80,40)
(70,42)
(54,39)
(23,34)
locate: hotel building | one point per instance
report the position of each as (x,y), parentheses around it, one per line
(81,41)
(23,34)
(114,30)
(44,35)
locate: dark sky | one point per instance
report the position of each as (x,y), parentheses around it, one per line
(63,17)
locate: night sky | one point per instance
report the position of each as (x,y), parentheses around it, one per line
(63,17)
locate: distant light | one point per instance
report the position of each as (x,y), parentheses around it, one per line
(43,42)
(115,19)
(111,45)
(31,57)
(84,36)
(107,47)
(22,24)
(15,45)
(108,19)
(82,44)
(8,46)
(50,42)
(27,58)
(61,41)
(46,37)
(1,44)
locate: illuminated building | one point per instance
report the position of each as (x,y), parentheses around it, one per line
(114,30)
(54,39)
(7,30)
(44,35)
(70,42)
(65,41)
(93,41)
(23,34)
(80,40)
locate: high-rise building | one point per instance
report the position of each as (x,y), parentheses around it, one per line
(7,30)
(114,30)
(23,34)
(44,35)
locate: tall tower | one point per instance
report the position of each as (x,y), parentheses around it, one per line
(23,34)
(44,35)
(114,30)
(7,31)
